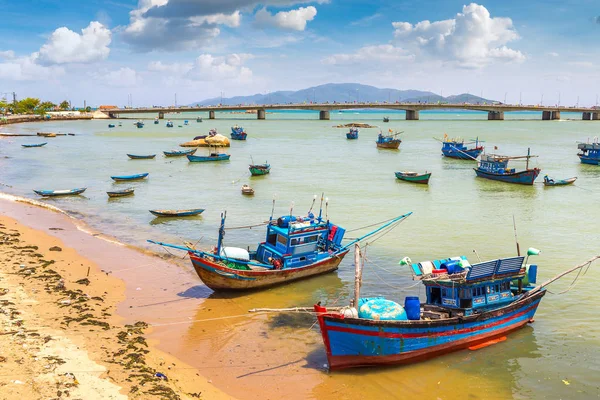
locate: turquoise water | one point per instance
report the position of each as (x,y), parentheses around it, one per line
(454,215)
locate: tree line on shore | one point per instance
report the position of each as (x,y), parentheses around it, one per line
(32,105)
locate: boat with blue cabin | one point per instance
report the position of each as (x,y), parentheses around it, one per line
(294,248)
(388,141)
(237,133)
(139,124)
(457,148)
(468,306)
(156,121)
(169,124)
(495,167)
(590,152)
(352,134)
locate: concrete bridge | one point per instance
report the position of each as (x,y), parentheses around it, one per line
(495,111)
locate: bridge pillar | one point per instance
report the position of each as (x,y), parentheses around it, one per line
(495,115)
(555,114)
(260,114)
(412,115)
(211,115)
(586,116)
(595,116)
(161,115)
(546,115)
(324,115)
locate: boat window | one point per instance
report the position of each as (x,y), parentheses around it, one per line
(497,288)
(310,239)
(302,259)
(271,239)
(282,240)
(435,296)
(488,289)
(295,241)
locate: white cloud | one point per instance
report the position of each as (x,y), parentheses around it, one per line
(28,69)
(65,46)
(472,39)
(232,20)
(553,54)
(582,64)
(383,54)
(122,77)
(294,19)
(174,68)
(209,68)
(7,55)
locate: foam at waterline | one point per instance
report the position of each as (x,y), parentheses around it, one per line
(79,224)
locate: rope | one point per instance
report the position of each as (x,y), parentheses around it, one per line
(572,285)
(368,226)
(247,226)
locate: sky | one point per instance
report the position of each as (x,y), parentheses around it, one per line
(149,52)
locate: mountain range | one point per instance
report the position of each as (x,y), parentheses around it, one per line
(344,92)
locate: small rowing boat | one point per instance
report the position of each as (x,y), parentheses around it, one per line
(413,177)
(121,193)
(67,192)
(179,153)
(259,169)
(211,157)
(177,213)
(559,182)
(46,134)
(34,145)
(141,157)
(129,177)
(247,190)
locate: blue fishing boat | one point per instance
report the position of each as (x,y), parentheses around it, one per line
(468,306)
(353,134)
(111,125)
(156,121)
(495,167)
(590,152)
(179,153)
(198,119)
(294,248)
(141,157)
(388,141)
(67,192)
(186,122)
(177,213)
(34,145)
(208,158)
(139,124)
(169,124)
(457,148)
(237,133)
(129,177)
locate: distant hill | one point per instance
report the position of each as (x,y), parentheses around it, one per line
(344,92)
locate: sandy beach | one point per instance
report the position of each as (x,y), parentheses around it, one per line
(60,333)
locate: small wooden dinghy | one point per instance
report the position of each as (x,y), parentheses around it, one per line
(414,177)
(121,193)
(34,145)
(141,157)
(247,190)
(129,177)
(211,157)
(177,213)
(559,182)
(67,192)
(179,153)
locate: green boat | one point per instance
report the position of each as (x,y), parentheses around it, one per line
(410,176)
(260,169)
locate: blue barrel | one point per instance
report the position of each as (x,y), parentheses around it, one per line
(452,266)
(412,305)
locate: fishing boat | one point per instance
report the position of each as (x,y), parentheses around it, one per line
(495,167)
(388,141)
(35,145)
(156,121)
(386,119)
(259,169)
(67,192)
(414,177)
(247,190)
(169,124)
(121,193)
(198,119)
(212,156)
(177,213)
(141,157)
(237,133)
(186,122)
(139,124)
(294,248)
(129,177)
(46,134)
(352,134)
(120,123)
(111,125)
(458,148)
(558,182)
(179,153)
(590,152)
(468,306)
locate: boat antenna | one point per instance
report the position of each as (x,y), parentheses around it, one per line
(527,164)
(313,204)
(252,159)
(357,275)
(272,209)
(326,208)
(516,240)
(321,207)
(291,209)
(221,232)
(477,254)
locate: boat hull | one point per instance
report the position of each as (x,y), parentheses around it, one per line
(34,145)
(121,178)
(255,171)
(526,177)
(470,154)
(121,193)
(136,157)
(179,153)
(562,182)
(588,160)
(422,179)
(177,213)
(351,136)
(220,157)
(393,144)
(221,278)
(239,136)
(354,342)
(55,193)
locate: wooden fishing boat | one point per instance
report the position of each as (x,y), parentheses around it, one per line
(237,133)
(179,153)
(590,152)
(495,167)
(457,148)
(558,182)
(129,177)
(352,134)
(259,169)
(141,157)
(139,124)
(389,141)
(177,213)
(121,193)
(295,248)
(386,119)
(247,190)
(46,134)
(67,192)
(210,157)
(34,145)
(198,119)
(414,177)
(169,124)
(467,307)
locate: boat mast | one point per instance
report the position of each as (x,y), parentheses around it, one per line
(527,164)
(357,275)
(321,207)
(221,232)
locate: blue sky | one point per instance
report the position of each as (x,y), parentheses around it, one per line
(101,51)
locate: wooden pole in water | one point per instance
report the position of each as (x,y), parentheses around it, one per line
(516,240)
(357,274)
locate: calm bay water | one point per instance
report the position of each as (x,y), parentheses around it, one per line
(456,214)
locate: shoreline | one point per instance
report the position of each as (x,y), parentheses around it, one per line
(80,304)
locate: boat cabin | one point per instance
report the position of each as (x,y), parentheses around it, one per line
(495,164)
(589,150)
(452,146)
(293,242)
